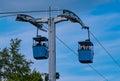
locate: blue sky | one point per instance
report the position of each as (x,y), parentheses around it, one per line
(102,16)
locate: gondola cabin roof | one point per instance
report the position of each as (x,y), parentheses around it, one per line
(40,39)
(86,43)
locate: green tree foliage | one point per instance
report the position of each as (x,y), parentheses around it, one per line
(34,76)
(14,66)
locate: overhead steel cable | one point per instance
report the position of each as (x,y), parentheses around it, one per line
(8,15)
(37,11)
(63,43)
(106,50)
(4,14)
(97,72)
(66,45)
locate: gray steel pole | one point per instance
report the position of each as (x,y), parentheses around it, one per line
(52,43)
(52,49)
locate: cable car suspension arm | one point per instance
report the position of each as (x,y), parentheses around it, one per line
(74,18)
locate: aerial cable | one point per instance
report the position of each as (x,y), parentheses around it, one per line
(66,45)
(17,12)
(97,72)
(106,50)
(8,15)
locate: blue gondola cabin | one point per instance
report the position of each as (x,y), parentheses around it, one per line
(85,52)
(40,48)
